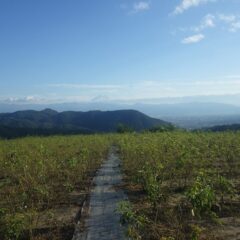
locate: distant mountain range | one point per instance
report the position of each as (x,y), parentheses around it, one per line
(221,128)
(190,115)
(154,110)
(48,121)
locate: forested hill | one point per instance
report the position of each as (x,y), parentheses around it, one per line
(222,128)
(49,122)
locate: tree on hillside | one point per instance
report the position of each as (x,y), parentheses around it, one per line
(123,128)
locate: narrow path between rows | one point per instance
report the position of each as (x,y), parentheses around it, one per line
(103,221)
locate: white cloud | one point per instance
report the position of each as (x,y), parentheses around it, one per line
(134,91)
(233,21)
(207,22)
(227,18)
(140,6)
(24,99)
(235,26)
(86,86)
(235,82)
(227,22)
(186,4)
(193,39)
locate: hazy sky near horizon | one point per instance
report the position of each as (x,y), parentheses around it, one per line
(84,50)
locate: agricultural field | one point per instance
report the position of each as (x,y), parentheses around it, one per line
(181,185)
(43,183)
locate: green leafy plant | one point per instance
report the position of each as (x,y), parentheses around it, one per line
(12,226)
(224,187)
(195,231)
(151,177)
(135,221)
(202,196)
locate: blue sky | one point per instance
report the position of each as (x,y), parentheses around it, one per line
(92,50)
